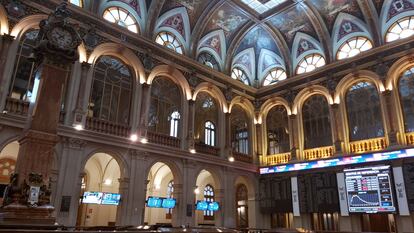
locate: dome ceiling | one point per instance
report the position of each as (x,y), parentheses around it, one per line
(258,36)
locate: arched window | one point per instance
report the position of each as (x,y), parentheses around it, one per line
(111,93)
(23,84)
(122,17)
(242,206)
(401,29)
(406,90)
(239,130)
(207,110)
(208,60)
(364,112)
(174,119)
(277,123)
(209,197)
(353,47)
(210,133)
(316,122)
(165,100)
(310,63)
(238,74)
(170,41)
(274,76)
(78,3)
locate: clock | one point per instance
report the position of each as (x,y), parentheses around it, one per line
(61,38)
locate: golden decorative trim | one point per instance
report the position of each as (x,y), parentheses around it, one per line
(410,138)
(318,153)
(373,144)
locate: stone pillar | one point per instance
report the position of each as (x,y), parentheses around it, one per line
(220,216)
(30,196)
(260,142)
(390,121)
(228,147)
(187,212)
(146,101)
(6,41)
(294,137)
(178,213)
(81,108)
(191,118)
(335,128)
(122,209)
(69,181)
(228,203)
(221,134)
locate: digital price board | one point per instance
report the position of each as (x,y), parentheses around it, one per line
(369,190)
(111,199)
(161,202)
(207,205)
(101,198)
(341,161)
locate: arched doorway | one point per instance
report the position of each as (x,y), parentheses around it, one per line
(206,189)
(100,180)
(8,158)
(161,183)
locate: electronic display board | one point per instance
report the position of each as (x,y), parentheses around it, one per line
(92,197)
(206,205)
(161,202)
(111,198)
(369,190)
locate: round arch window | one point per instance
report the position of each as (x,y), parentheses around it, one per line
(170,41)
(310,63)
(401,29)
(121,17)
(274,76)
(353,47)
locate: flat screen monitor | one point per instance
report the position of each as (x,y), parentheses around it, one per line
(154,202)
(202,205)
(168,203)
(92,197)
(111,198)
(213,206)
(369,190)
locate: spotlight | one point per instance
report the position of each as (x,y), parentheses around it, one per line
(144,140)
(78,127)
(197,190)
(231,159)
(133,137)
(192,151)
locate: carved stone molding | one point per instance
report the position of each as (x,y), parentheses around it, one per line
(73,143)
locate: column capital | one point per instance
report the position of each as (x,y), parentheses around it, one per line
(86,65)
(73,143)
(7,37)
(292,116)
(386,93)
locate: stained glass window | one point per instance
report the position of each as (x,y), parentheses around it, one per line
(310,63)
(122,17)
(208,196)
(274,76)
(353,47)
(170,41)
(403,28)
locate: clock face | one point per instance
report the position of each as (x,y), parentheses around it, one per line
(61,37)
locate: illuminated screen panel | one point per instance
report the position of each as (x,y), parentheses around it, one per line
(154,202)
(111,198)
(202,205)
(168,203)
(369,190)
(342,161)
(92,197)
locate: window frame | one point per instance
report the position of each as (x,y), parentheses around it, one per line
(118,21)
(167,39)
(305,60)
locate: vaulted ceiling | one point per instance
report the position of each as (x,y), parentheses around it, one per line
(258,36)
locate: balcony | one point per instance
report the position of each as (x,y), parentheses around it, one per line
(374,144)
(276,159)
(242,157)
(318,153)
(17,107)
(206,149)
(107,127)
(163,139)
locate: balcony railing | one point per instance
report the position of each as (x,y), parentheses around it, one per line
(206,149)
(163,139)
(318,153)
(16,106)
(410,138)
(242,157)
(374,144)
(276,159)
(107,127)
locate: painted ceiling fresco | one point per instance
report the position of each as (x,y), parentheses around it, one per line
(194,8)
(292,21)
(235,33)
(329,9)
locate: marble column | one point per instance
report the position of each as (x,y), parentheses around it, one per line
(145,105)
(227,138)
(390,121)
(190,134)
(294,136)
(81,107)
(335,128)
